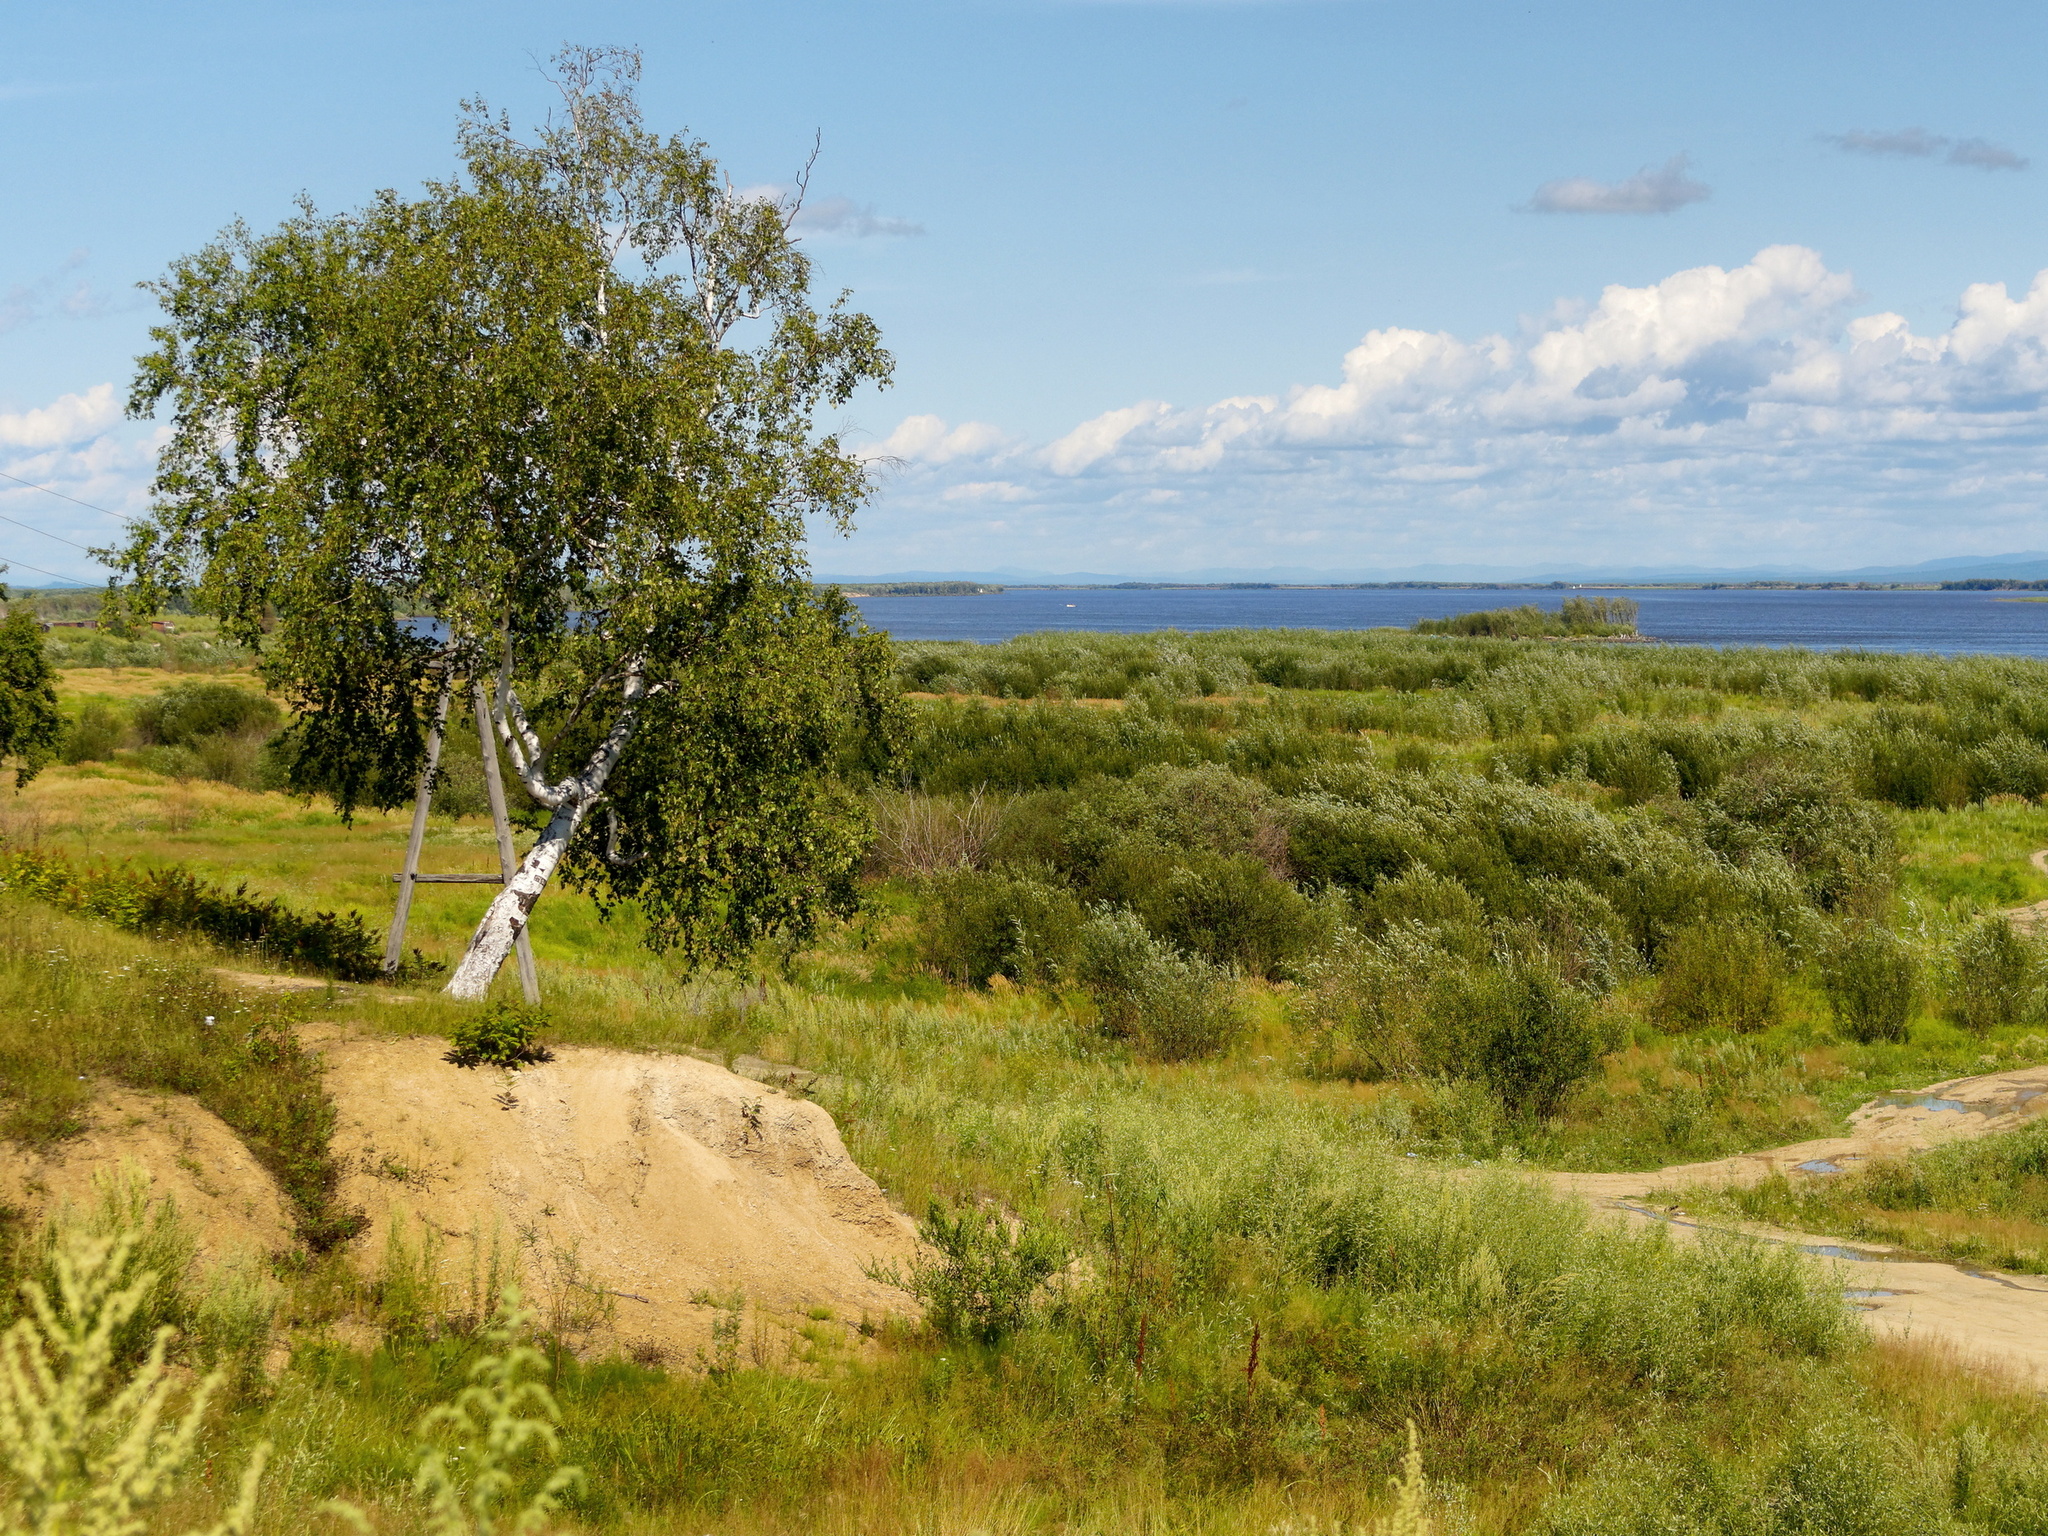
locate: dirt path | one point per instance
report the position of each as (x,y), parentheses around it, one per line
(1988,1319)
(2032,920)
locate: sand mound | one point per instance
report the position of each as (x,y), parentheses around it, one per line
(639,1198)
(187,1155)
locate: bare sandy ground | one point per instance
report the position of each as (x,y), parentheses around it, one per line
(640,1199)
(182,1152)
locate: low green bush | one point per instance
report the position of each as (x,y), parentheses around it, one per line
(1719,975)
(185,712)
(1869,974)
(1597,616)
(93,735)
(503,1035)
(1996,978)
(974,924)
(170,900)
(1835,1475)
(1517,1029)
(1169,1005)
(1231,912)
(981,1278)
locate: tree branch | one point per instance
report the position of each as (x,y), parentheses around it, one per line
(522,745)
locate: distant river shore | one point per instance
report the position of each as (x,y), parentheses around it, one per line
(1949,623)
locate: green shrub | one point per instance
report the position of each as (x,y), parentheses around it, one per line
(1578,616)
(1520,1031)
(185,712)
(1830,1477)
(975,924)
(1366,1001)
(1719,975)
(93,735)
(1996,978)
(982,1280)
(1170,1006)
(503,1035)
(170,899)
(1420,895)
(1232,913)
(1869,974)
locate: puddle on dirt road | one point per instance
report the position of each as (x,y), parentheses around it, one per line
(1836,1251)
(1854,1293)
(1929,1101)
(1819,1165)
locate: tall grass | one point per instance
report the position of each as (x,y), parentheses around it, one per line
(81,1004)
(170,901)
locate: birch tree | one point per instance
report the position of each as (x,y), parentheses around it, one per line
(551,427)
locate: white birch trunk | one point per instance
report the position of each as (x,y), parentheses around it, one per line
(506,919)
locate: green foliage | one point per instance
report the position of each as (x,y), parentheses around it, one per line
(220,1318)
(1532,1039)
(982,1279)
(170,900)
(1997,978)
(1193,851)
(1719,975)
(86,1445)
(476,1446)
(187,713)
(93,735)
(1596,616)
(976,924)
(1832,1476)
(1169,1005)
(503,1035)
(1870,976)
(30,727)
(612,543)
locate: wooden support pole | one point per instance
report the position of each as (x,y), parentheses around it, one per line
(394,946)
(494,782)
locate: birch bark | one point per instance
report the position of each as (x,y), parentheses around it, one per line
(571,799)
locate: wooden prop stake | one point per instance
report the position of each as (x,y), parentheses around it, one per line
(394,946)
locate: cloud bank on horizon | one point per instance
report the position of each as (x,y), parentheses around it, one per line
(1720,416)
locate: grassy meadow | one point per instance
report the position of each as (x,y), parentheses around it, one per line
(1210,997)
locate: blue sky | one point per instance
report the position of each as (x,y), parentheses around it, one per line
(1339,284)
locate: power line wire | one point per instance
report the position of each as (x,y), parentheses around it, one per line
(59,495)
(4,518)
(10,564)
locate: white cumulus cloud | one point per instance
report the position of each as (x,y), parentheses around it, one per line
(1654,189)
(67,420)
(1727,414)
(931,440)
